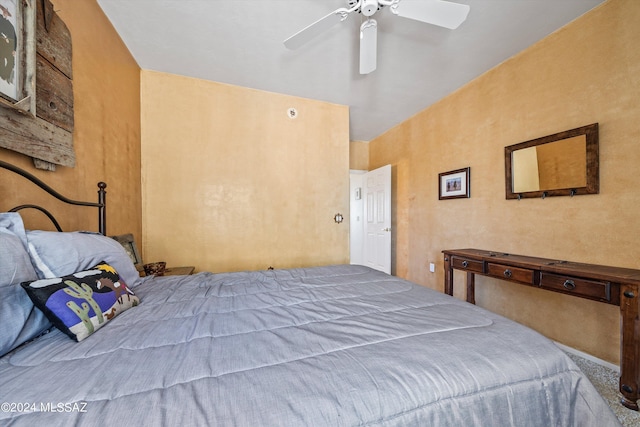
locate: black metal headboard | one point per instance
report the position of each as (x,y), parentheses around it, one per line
(101,205)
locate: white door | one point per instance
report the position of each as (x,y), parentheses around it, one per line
(377,215)
(356,217)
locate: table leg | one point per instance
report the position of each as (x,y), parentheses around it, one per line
(471,288)
(448,276)
(630,345)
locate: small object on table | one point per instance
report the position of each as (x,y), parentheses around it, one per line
(155,268)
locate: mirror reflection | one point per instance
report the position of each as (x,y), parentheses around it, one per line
(551,166)
(561,164)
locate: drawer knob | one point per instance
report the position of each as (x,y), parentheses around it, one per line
(569,285)
(507,273)
(465,264)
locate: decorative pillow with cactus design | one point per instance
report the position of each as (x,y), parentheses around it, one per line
(81,303)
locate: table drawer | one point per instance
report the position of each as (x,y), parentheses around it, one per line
(467,264)
(515,274)
(592,289)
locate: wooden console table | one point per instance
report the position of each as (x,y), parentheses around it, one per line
(609,285)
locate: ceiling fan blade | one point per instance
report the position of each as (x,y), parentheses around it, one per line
(368,46)
(437,12)
(315,29)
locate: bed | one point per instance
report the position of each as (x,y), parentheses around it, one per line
(339,345)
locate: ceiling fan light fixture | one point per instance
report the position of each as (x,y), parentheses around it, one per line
(369,7)
(436,12)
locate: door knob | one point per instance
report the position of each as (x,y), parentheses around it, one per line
(386,229)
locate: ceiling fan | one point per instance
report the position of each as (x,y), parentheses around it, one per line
(437,12)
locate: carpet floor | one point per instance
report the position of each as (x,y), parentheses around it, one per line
(605,381)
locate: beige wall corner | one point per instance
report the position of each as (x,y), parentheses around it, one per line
(232,182)
(359,155)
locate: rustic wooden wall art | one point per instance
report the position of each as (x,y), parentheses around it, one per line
(42,126)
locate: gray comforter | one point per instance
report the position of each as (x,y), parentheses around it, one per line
(325,346)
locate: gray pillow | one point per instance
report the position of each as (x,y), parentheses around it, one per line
(55,254)
(20,321)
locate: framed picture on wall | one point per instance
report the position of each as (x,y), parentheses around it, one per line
(17,54)
(9,71)
(454,184)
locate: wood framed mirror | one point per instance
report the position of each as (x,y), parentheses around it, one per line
(562,164)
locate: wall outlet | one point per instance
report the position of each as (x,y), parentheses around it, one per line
(432,267)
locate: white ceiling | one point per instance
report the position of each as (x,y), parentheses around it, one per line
(240,42)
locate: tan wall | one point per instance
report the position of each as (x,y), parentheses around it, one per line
(106,86)
(230,182)
(587,72)
(359,155)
